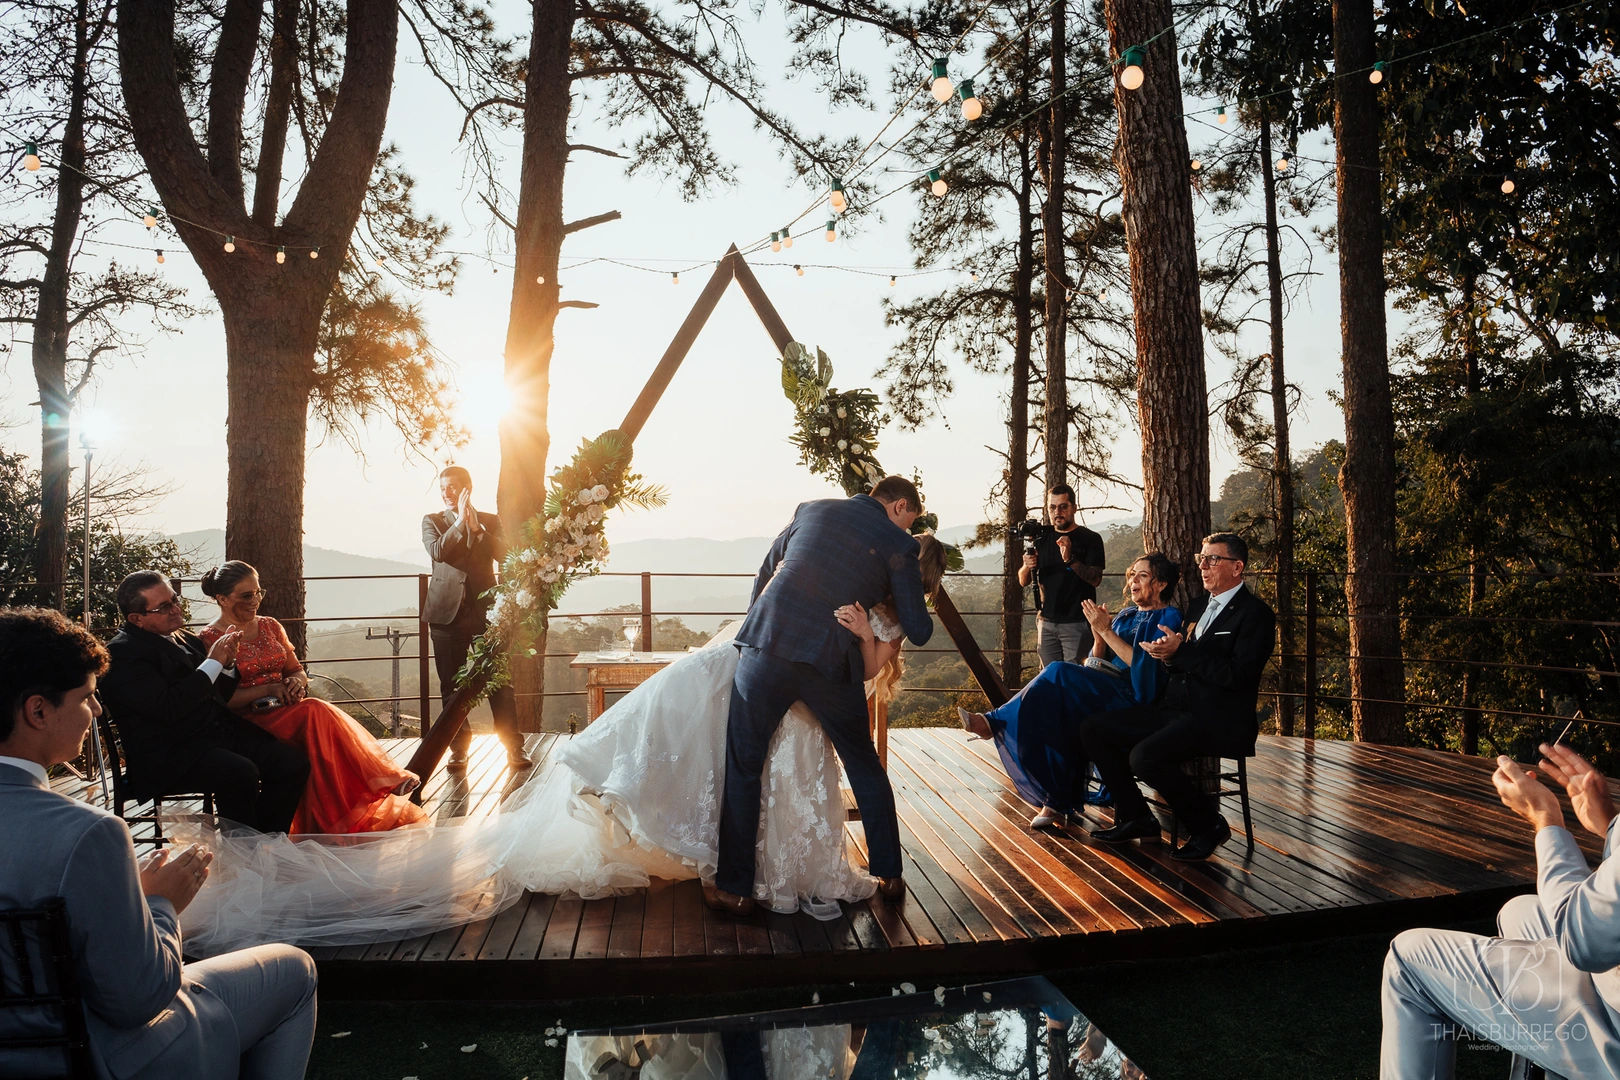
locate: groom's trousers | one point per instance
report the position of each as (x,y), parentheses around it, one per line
(764,689)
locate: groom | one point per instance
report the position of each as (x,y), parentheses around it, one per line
(834,552)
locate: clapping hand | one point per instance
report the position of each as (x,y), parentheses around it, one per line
(465,511)
(1097,615)
(852,617)
(224,647)
(1523,794)
(178,878)
(1063,547)
(1588,789)
(1163,648)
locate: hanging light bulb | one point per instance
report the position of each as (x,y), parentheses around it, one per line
(1282,162)
(891,281)
(972,107)
(937,184)
(973,275)
(1197,164)
(797,269)
(281,254)
(787,238)
(776,241)
(1376,75)
(836,199)
(31,157)
(1131,78)
(1220,117)
(314,253)
(230,244)
(941,86)
(379,263)
(151,217)
(832,231)
(161,259)
(675,278)
(1507,185)
(540,280)
(1102,294)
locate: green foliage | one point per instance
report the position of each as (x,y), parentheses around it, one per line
(835,430)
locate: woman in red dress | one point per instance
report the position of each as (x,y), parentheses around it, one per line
(354,787)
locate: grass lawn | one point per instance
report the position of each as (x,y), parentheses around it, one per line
(1296,1011)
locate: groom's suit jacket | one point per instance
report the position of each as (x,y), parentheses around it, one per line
(834,552)
(126,950)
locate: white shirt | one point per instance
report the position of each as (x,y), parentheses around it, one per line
(1217,604)
(26,766)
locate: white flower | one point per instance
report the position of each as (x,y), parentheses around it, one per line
(599,492)
(524,598)
(598,512)
(856,447)
(551,1042)
(843,444)
(939,995)
(824,432)
(842,413)
(469,1049)
(909,988)
(584,497)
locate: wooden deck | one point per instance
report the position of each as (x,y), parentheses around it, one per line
(1349,838)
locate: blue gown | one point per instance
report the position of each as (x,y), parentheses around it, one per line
(1037,731)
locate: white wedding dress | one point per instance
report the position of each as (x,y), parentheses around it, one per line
(633,797)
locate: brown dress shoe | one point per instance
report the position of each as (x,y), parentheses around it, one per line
(738,907)
(892,889)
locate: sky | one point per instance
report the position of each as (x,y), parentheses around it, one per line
(718,440)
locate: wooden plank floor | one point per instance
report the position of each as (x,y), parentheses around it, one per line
(1348,837)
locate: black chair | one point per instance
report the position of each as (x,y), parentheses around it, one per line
(1206,772)
(113,751)
(37,975)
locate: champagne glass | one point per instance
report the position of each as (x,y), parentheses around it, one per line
(632,630)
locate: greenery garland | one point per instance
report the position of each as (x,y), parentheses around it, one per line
(835,430)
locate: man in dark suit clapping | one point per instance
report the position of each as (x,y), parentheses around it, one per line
(466,545)
(1206,710)
(167,692)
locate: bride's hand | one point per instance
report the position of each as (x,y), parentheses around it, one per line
(852,617)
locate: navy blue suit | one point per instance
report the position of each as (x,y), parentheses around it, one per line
(834,552)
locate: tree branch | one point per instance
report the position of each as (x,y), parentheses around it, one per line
(577,304)
(586,223)
(227,92)
(595,150)
(474,110)
(620,69)
(907,32)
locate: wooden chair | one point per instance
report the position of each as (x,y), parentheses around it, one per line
(113,755)
(37,974)
(1206,772)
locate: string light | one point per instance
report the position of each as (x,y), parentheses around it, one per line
(314,253)
(1507,185)
(541,280)
(973,275)
(161,260)
(1131,78)
(1220,117)
(941,87)
(151,217)
(31,157)
(1197,164)
(230,244)
(1376,75)
(1282,162)
(937,184)
(797,269)
(379,262)
(972,107)
(832,231)
(891,281)
(836,197)
(675,278)
(776,241)
(281,254)
(787,238)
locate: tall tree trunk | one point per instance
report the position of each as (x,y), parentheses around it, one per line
(1172,399)
(1282,468)
(1367,478)
(51,334)
(1012,593)
(1476,564)
(530,331)
(271,311)
(1057,278)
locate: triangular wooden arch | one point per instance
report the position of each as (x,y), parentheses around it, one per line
(733,267)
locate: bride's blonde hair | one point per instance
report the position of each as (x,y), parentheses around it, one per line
(931,561)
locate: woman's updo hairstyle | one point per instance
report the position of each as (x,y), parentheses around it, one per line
(931,561)
(223,579)
(1164,569)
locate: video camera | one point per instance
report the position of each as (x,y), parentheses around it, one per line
(1030,530)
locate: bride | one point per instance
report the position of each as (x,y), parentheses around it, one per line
(634,797)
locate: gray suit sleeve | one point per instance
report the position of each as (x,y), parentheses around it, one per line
(1583,907)
(128,953)
(449,546)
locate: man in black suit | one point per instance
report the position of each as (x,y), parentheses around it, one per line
(1206,710)
(466,545)
(167,693)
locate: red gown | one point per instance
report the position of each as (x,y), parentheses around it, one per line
(351,779)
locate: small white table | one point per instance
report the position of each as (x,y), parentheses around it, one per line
(617,670)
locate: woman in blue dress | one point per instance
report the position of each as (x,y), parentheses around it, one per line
(1036,732)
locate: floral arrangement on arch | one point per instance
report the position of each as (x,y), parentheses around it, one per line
(565,541)
(835,430)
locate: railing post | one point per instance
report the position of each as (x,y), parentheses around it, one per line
(422,640)
(1310,654)
(646,612)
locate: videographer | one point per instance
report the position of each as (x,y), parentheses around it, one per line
(1066,560)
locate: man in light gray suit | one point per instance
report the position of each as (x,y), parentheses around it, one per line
(248,1013)
(1548,988)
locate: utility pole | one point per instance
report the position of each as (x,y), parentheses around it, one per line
(396,639)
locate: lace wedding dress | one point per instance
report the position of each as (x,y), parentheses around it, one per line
(633,797)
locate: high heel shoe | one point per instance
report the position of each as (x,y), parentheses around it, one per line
(407,785)
(1047,818)
(968,725)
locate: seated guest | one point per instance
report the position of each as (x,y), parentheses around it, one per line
(354,786)
(167,691)
(1037,732)
(1206,710)
(1547,989)
(150,1016)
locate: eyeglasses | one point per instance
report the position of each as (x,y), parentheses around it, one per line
(242,598)
(168,607)
(1206,560)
